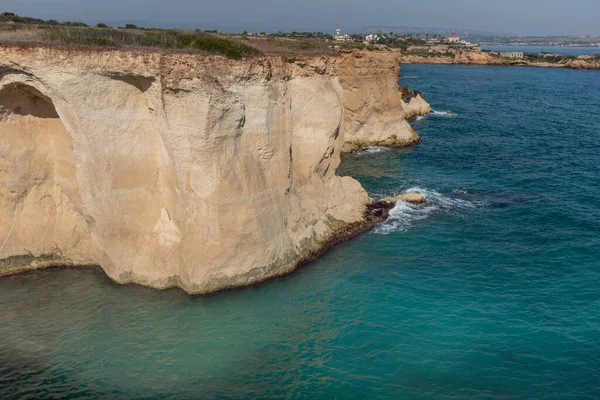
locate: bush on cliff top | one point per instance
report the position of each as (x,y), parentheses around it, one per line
(172,39)
(14,18)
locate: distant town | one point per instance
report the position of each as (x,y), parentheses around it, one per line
(417,45)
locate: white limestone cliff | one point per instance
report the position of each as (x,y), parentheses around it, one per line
(183,170)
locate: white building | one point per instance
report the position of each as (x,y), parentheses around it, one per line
(511,54)
(341,38)
(371,38)
(453,38)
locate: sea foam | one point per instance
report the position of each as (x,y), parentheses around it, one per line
(373,150)
(404,215)
(443,114)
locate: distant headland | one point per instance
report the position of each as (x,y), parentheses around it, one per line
(417,45)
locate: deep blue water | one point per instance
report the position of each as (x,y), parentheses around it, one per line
(564,50)
(491,291)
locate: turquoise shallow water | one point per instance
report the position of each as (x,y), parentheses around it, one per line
(491,291)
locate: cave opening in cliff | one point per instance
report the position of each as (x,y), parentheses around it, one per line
(35,146)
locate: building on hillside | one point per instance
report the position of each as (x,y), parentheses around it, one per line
(372,38)
(471,47)
(418,49)
(453,38)
(440,48)
(341,38)
(511,54)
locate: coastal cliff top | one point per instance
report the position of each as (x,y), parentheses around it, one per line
(24,31)
(174,66)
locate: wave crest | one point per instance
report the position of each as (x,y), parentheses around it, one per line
(443,113)
(404,214)
(373,150)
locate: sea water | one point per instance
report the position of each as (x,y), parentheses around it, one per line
(489,291)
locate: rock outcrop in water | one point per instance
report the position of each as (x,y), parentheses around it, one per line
(413,104)
(184,170)
(374,113)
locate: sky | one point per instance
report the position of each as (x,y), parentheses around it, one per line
(519,17)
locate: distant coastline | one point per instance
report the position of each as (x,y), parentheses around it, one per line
(487,58)
(563,50)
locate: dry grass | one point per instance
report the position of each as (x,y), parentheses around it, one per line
(285,46)
(29,34)
(231,46)
(110,37)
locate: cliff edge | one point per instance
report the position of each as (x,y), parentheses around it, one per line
(185,170)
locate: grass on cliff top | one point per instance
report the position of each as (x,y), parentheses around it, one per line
(111,37)
(171,39)
(19,29)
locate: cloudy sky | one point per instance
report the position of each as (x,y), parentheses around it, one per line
(524,17)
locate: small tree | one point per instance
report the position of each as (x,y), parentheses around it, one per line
(101,25)
(130,26)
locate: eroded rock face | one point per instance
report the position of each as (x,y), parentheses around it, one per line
(416,106)
(181,170)
(374,111)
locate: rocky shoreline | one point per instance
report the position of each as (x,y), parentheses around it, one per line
(186,170)
(472,58)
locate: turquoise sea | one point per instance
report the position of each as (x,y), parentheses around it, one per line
(490,291)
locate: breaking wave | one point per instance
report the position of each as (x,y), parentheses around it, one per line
(437,114)
(443,113)
(409,77)
(373,150)
(404,214)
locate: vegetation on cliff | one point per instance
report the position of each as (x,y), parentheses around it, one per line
(18,28)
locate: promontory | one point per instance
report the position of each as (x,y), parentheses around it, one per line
(172,169)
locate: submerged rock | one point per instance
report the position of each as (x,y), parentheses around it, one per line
(414,198)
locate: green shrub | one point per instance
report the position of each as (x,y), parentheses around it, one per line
(98,41)
(307,44)
(227,48)
(101,25)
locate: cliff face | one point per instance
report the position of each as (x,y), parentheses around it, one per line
(374,110)
(178,169)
